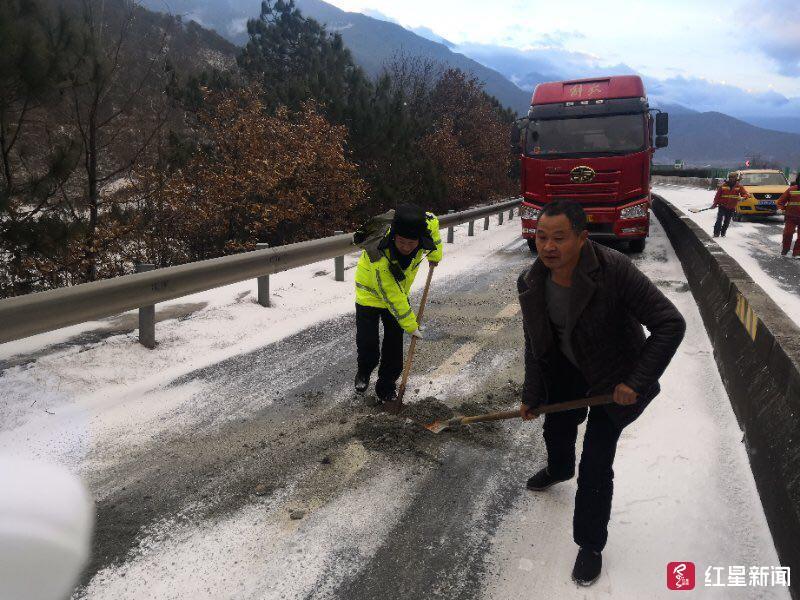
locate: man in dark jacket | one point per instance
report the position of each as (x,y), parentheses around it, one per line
(583,307)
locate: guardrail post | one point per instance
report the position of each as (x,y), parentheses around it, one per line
(450,230)
(511,215)
(147,315)
(471,229)
(263,283)
(500,218)
(338,263)
(485,223)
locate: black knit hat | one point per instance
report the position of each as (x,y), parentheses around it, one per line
(410,222)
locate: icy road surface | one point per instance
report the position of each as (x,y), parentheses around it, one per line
(234,461)
(754,243)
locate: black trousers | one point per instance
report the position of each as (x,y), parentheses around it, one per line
(724,216)
(595,471)
(389,355)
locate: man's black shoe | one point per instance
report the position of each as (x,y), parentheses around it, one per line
(542,480)
(362,383)
(587,567)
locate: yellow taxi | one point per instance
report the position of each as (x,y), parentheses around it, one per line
(765,186)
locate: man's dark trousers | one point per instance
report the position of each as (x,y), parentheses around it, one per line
(595,472)
(724,216)
(390,353)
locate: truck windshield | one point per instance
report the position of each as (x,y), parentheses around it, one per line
(763,179)
(612,134)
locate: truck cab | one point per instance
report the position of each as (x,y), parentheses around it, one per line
(590,140)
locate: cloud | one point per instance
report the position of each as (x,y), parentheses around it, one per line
(376,14)
(704,95)
(532,65)
(237,26)
(528,67)
(778,32)
(557,38)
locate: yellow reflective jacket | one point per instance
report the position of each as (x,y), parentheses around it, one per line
(376,286)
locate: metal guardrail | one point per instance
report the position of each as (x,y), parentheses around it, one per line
(28,315)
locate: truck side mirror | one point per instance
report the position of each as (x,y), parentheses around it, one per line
(662,124)
(662,141)
(518,129)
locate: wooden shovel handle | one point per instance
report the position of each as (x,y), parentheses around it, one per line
(413,345)
(569,405)
(547,408)
(496,416)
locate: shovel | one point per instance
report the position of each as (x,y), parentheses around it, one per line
(396,406)
(698,210)
(439,426)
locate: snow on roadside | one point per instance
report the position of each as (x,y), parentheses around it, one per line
(742,241)
(684,490)
(69,400)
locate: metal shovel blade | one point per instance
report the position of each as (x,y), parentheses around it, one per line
(440,426)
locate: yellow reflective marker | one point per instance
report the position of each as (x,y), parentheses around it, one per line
(747,316)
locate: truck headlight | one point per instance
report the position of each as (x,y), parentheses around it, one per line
(529,212)
(637,211)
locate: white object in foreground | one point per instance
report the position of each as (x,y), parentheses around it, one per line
(46,520)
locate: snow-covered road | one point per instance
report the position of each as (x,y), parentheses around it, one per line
(754,243)
(200,453)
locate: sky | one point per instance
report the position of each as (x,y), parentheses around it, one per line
(743,55)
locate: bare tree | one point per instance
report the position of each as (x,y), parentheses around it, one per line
(115,106)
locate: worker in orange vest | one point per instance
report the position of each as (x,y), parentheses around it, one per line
(728,196)
(789,203)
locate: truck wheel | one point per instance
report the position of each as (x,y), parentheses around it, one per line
(637,245)
(532,246)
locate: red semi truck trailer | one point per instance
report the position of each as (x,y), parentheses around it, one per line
(590,140)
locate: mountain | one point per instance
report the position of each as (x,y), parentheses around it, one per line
(430,34)
(790,124)
(720,140)
(372,41)
(699,138)
(674,108)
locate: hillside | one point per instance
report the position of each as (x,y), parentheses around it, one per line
(717,139)
(373,42)
(191,47)
(700,138)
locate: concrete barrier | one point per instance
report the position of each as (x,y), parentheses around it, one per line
(699,182)
(757,349)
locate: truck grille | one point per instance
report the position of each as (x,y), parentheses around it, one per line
(600,228)
(604,188)
(768,197)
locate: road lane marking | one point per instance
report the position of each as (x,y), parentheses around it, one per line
(466,352)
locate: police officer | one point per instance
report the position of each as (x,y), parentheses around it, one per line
(383,281)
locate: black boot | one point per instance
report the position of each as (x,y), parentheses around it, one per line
(362,383)
(542,480)
(587,567)
(390,402)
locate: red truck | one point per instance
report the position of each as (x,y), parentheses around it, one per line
(590,140)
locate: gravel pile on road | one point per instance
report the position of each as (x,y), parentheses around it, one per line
(405,432)
(427,410)
(386,433)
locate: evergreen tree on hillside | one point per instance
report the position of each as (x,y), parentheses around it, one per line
(37,49)
(297,60)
